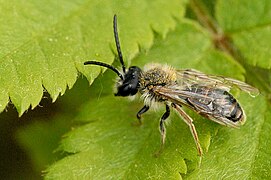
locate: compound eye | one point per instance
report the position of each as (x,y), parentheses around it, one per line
(126,90)
(133,91)
(130,84)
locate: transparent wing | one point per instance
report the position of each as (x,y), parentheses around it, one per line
(190,77)
(176,93)
(199,103)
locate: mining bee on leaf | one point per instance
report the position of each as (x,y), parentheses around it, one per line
(207,95)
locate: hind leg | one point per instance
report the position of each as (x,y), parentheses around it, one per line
(189,121)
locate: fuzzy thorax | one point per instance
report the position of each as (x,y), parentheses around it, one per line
(153,76)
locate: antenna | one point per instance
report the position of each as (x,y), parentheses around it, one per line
(118,42)
(105,65)
(119,53)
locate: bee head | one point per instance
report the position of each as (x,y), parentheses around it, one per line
(128,86)
(128,83)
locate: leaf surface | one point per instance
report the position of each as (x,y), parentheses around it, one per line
(109,146)
(247,22)
(44,43)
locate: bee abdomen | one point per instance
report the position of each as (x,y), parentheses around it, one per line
(233,110)
(223,104)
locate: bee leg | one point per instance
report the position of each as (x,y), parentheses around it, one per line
(163,129)
(162,126)
(189,121)
(142,111)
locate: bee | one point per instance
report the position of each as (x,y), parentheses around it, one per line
(207,95)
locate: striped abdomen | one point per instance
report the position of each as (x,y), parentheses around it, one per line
(217,104)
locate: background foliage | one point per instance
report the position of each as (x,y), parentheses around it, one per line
(83,134)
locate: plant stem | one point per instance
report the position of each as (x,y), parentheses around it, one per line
(225,44)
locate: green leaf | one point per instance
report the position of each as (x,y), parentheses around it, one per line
(244,153)
(40,137)
(108,146)
(242,14)
(247,22)
(44,43)
(40,140)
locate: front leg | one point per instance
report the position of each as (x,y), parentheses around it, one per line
(142,111)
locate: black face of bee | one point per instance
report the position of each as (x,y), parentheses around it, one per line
(130,84)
